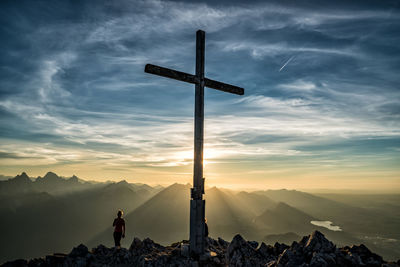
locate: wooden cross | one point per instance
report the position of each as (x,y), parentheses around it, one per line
(197,203)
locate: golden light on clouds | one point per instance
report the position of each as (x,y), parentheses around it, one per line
(327,119)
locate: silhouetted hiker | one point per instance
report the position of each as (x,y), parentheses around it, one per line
(119,229)
(205,228)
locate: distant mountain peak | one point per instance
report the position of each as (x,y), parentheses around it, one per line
(73,179)
(282,208)
(51,176)
(121,185)
(176,186)
(22,177)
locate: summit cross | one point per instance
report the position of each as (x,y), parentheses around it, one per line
(197,203)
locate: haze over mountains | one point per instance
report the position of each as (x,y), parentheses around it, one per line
(52,214)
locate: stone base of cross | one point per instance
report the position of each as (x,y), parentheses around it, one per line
(197,203)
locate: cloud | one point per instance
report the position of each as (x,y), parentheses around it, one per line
(299,85)
(7,155)
(73,90)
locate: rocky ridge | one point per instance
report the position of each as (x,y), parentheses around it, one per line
(313,250)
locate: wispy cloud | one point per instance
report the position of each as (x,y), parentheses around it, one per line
(73,93)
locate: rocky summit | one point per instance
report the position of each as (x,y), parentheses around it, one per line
(312,250)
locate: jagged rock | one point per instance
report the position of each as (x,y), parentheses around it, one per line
(79,251)
(100,250)
(16,263)
(36,262)
(318,260)
(367,257)
(57,260)
(267,252)
(253,244)
(242,253)
(223,243)
(312,251)
(279,248)
(136,244)
(361,255)
(317,242)
(286,258)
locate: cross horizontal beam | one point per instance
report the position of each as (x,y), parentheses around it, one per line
(190,78)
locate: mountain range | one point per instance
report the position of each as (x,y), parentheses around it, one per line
(44,215)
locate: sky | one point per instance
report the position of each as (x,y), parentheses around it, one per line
(321,107)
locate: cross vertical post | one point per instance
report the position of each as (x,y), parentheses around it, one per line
(197,203)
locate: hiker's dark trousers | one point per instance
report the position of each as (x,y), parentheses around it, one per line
(117,238)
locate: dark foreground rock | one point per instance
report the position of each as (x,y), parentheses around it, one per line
(313,250)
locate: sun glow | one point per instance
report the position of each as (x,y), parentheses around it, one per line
(186,157)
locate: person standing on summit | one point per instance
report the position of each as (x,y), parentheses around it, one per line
(119,229)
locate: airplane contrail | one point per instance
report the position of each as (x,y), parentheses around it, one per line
(287,62)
